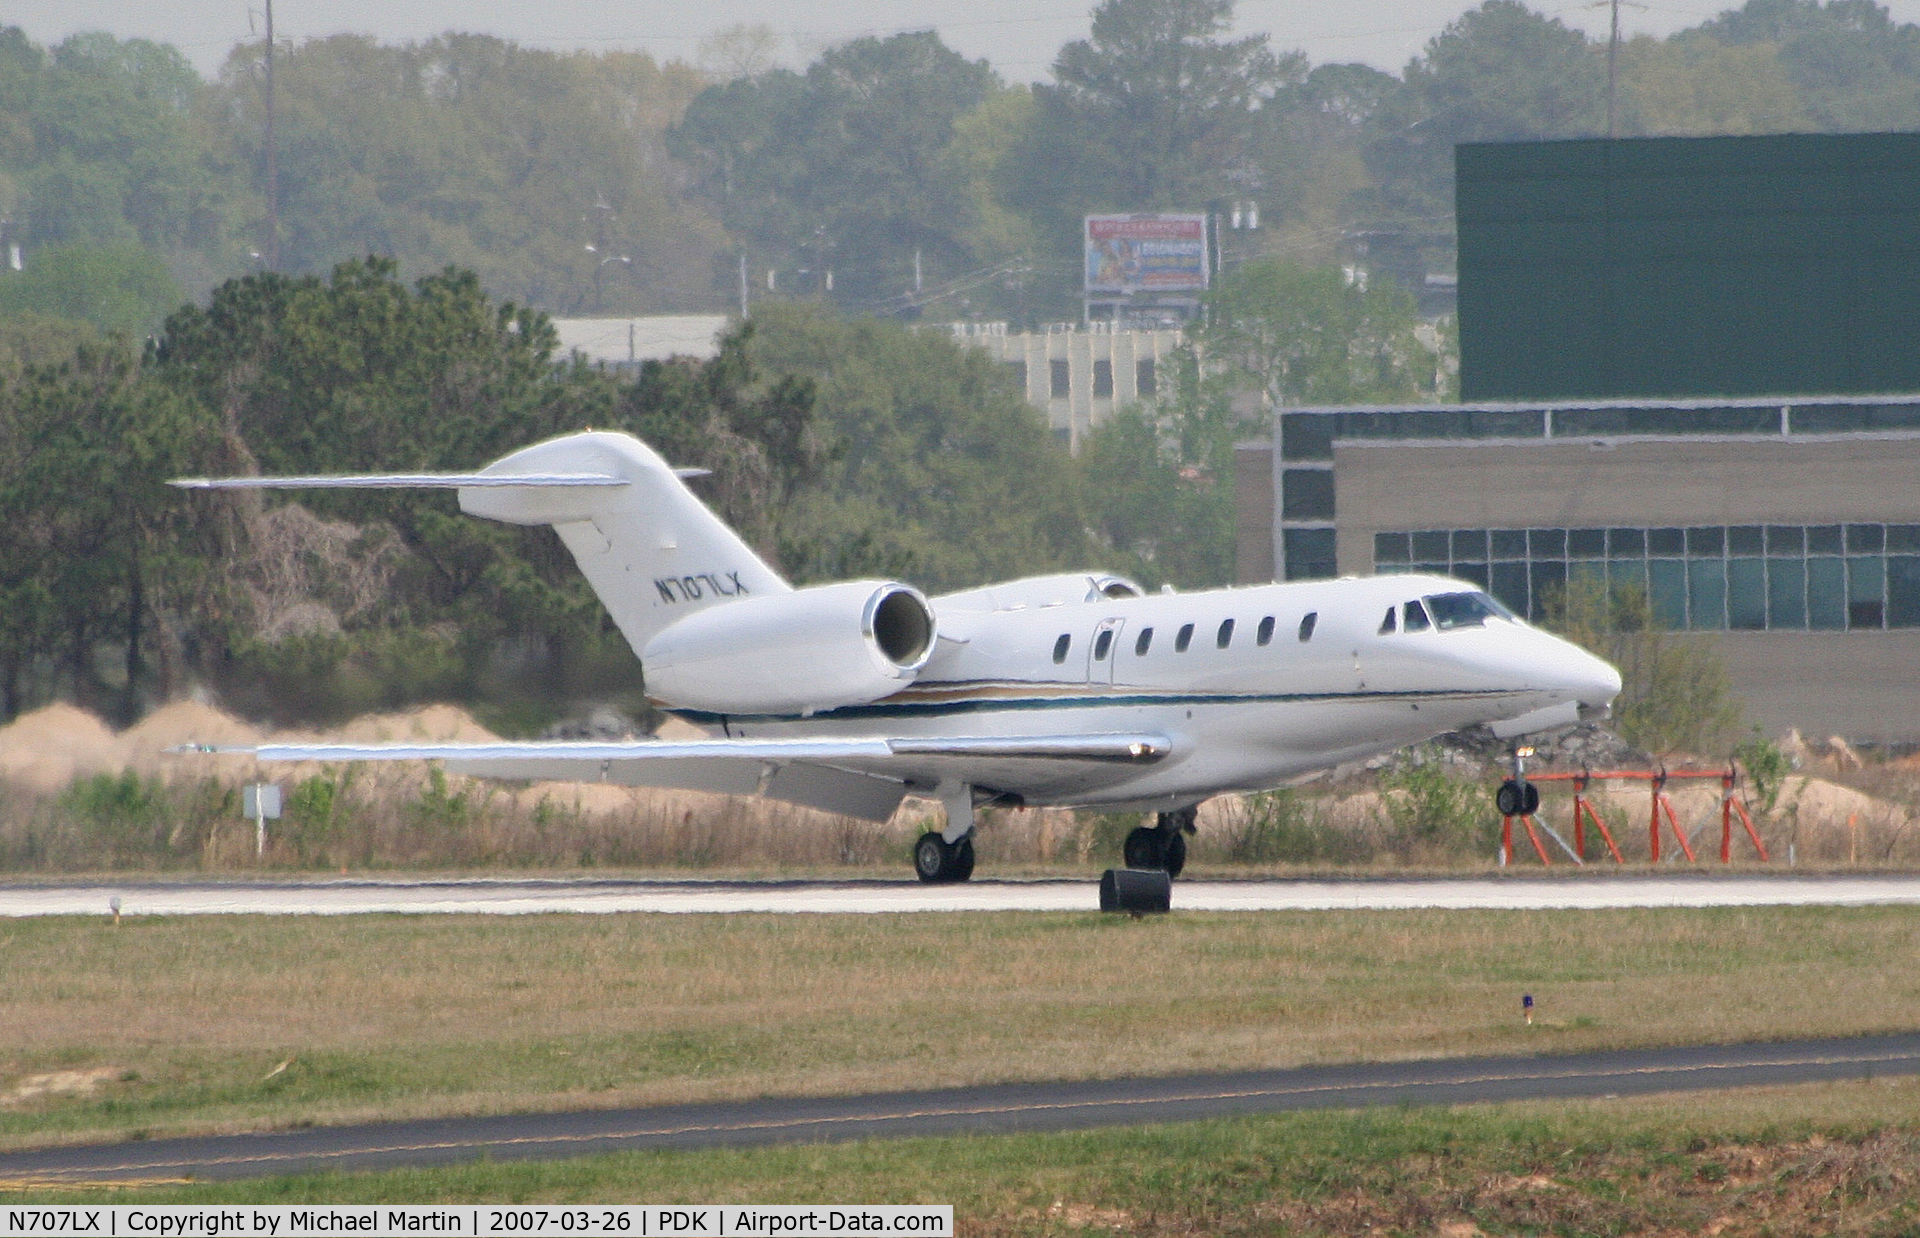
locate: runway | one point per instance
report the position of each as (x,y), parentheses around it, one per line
(997,1109)
(592,895)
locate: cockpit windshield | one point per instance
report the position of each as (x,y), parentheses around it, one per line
(1464,610)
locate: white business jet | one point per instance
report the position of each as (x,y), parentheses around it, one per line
(1066,690)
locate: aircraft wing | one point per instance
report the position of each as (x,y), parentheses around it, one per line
(861,776)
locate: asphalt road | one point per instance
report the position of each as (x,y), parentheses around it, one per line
(1591,888)
(977,1110)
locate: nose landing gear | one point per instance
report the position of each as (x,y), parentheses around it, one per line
(1517,797)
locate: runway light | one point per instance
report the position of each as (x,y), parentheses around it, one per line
(113,904)
(1526,1006)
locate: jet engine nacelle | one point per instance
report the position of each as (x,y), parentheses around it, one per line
(799,652)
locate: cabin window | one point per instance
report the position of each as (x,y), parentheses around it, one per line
(1060,648)
(1417,620)
(1101,644)
(1143,642)
(1183,638)
(1391,622)
(1224,637)
(1263,635)
(1306,625)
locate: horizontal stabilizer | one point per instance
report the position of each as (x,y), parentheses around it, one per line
(405,481)
(645,542)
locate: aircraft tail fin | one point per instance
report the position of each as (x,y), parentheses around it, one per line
(651,550)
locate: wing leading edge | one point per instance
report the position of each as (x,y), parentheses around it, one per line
(861,776)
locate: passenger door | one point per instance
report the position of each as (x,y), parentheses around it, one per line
(1104,650)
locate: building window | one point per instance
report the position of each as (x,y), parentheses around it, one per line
(1143,378)
(1019,370)
(1062,379)
(1103,380)
(1710,578)
(1309,553)
(1306,494)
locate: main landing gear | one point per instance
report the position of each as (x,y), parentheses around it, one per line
(1162,846)
(943,856)
(937,860)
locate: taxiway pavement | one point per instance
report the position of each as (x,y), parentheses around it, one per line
(993,1109)
(491,896)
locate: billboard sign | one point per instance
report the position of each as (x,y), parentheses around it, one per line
(1146,253)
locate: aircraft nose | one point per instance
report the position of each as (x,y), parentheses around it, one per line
(1594,681)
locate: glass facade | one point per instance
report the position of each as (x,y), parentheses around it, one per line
(1748,594)
(1711,578)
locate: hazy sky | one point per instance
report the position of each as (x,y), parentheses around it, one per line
(1019,37)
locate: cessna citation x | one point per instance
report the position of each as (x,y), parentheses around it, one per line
(1072,690)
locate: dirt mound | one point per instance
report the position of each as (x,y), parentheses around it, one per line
(45,750)
(429,723)
(144,747)
(1821,802)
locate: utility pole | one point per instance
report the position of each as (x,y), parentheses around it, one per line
(270,250)
(743,284)
(1613,72)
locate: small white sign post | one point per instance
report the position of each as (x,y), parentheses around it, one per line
(261,800)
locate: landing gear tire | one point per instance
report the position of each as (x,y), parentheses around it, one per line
(1147,848)
(937,860)
(1176,853)
(1156,848)
(1517,799)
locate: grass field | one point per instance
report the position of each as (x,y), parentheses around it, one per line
(1828,1159)
(169,1025)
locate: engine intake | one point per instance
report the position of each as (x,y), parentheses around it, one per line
(800,652)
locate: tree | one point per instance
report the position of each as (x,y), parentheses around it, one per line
(1855,70)
(934,468)
(362,372)
(738,51)
(1499,72)
(100,144)
(540,172)
(1309,154)
(844,167)
(118,286)
(1315,335)
(1692,85)
(99,549)
(1156,109)
(1158,480)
